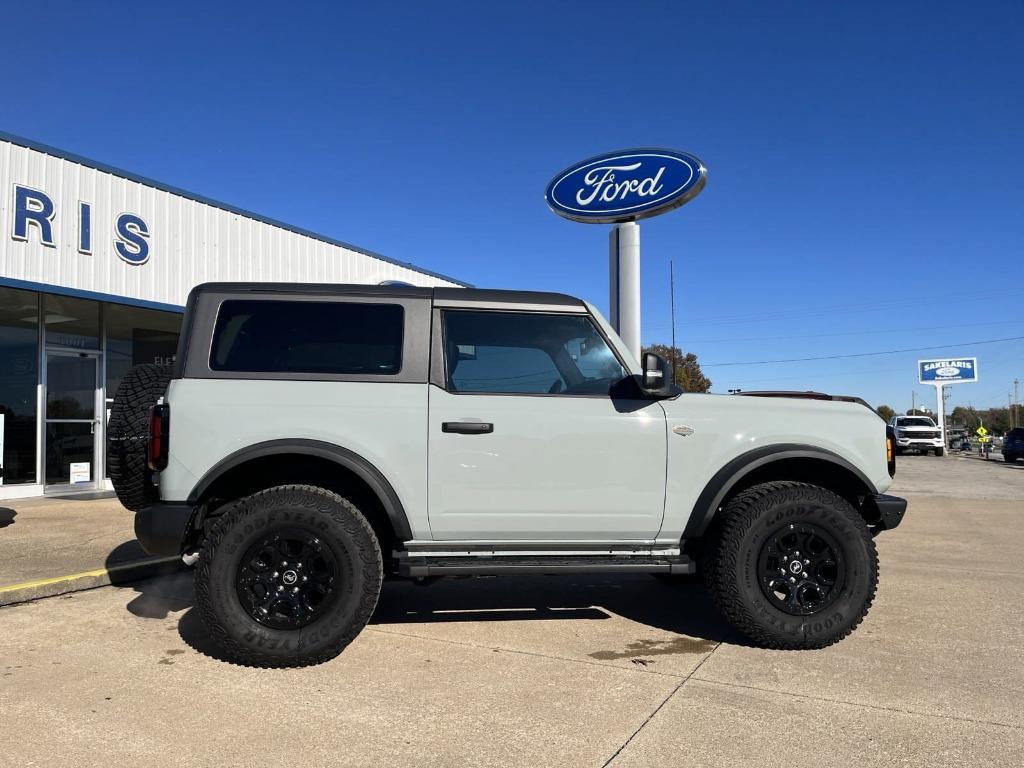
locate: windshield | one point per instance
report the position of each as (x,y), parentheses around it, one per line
(921,422)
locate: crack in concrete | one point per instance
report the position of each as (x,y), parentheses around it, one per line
(658,708)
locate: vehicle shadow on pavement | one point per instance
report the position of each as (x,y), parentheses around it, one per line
(158,596)
(680,605)
(7,516)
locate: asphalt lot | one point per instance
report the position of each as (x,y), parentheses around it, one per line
(570,671)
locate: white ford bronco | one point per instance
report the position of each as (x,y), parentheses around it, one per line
(313,440)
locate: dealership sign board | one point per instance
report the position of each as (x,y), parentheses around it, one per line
(626,185)
(947,371)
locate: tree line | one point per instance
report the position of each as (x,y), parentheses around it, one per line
(998,421)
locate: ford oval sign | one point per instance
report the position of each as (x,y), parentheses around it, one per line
(948,371)
(625,186)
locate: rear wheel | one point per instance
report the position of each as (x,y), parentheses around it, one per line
(288,577)
(791,565)
(1010,457)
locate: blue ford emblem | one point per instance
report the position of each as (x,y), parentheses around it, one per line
(625,186)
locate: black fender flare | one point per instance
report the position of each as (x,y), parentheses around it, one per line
(350,460)
(726,478)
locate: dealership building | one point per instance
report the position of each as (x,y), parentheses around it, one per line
(95,267)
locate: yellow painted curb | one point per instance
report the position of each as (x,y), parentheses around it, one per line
(58,585)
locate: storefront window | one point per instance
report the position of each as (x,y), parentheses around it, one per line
(72,322)
(19,375)
(136,336)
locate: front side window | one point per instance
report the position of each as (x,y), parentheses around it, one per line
(313,337)
(527,353)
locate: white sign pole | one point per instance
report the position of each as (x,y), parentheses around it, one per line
(941,410)
(624,283)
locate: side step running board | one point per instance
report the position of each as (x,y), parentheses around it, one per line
(419,566)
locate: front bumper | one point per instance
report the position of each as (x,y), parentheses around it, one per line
(885,512)
(915,442)
(162,528)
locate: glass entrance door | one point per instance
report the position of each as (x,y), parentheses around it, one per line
(72,423)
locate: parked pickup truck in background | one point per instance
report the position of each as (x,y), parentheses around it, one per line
(917,433)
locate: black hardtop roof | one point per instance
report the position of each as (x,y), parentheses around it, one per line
(481,295)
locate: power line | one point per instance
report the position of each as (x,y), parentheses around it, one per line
(786,314)
(850,333)
(862,354)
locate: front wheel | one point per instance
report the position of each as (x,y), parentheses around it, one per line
(1009,458)
(288,577)
(940,451)
(791,565)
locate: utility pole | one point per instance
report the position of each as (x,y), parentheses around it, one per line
(672,304)
(913,400)
(1016,402)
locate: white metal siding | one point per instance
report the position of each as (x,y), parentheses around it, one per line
(190,241)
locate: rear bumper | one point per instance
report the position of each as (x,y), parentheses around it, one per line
(161,528)
(889,509)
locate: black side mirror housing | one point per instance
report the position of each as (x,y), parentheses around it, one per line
(656,379)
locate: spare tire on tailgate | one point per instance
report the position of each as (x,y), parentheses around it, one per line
(128,434)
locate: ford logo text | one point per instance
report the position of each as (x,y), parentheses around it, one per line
(626,186)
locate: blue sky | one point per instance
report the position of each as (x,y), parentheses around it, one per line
(866,167)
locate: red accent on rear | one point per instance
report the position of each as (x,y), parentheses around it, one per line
(159,423)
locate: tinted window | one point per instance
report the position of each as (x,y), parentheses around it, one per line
(308,337)
(520,353)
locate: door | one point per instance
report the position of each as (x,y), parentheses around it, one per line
(72,423)
(526,440)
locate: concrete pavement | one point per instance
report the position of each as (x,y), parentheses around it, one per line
(569,671)
(53,545)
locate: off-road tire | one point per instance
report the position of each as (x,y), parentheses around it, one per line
(940,451)
(128,434)
(339,525)
(733,549)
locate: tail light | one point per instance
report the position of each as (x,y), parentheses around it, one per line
(890,450)
(159,435)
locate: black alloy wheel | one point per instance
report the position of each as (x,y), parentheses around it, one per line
(287,579)
(801,569)
(791,565)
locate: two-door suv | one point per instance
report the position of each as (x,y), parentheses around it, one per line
(312,440)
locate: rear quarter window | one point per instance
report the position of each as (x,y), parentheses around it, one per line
(310,337)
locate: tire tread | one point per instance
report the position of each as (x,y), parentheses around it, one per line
(721,563)
(319,500)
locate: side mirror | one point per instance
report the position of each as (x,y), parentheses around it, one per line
(656,380)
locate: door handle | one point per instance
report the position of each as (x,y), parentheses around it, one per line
(467,427)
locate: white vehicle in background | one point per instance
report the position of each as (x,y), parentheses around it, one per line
(917,433)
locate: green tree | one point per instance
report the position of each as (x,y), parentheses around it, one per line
(966,416)
(996,420)
(886,412)
(688,374)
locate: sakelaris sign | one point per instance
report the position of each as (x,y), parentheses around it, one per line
(626,185)
(949,370)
